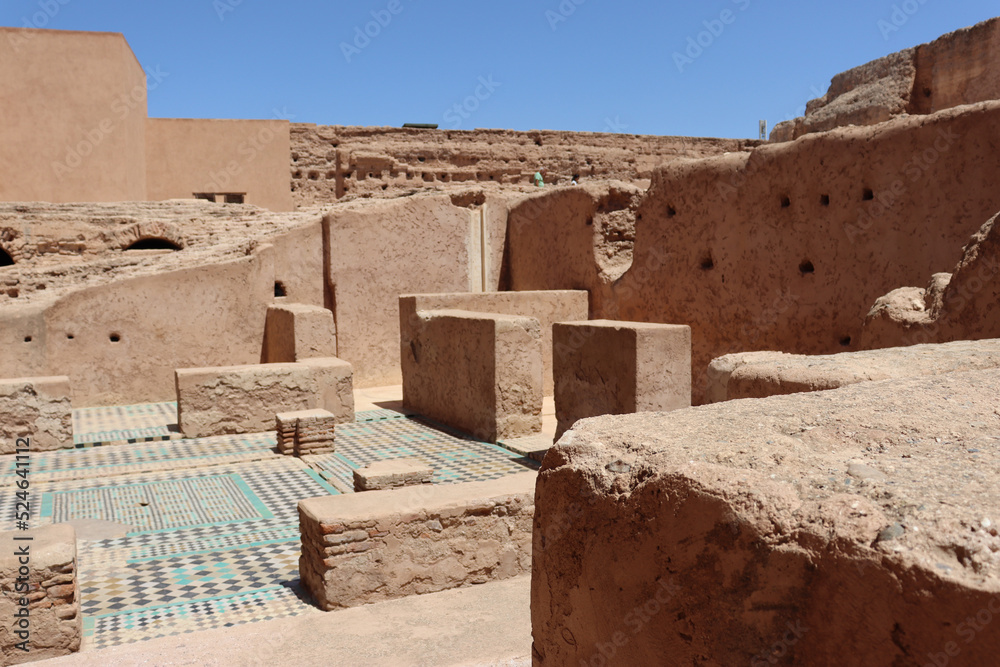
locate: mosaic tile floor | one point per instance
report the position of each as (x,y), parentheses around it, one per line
(210,525)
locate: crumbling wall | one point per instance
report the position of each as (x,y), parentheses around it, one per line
(787,248)
(573,238)
(119,321)
(958,68)
(961,305)
(331,162)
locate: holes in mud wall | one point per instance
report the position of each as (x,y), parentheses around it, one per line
(428,178)
(27,339)
(313,175)
(671,211)
(70,336)
(590,222)
(707,262)
(153,243)
(824,200)
(279,289)
(115,338)
(421,159)
(5,258)
(331,175)
(297,174)
(806,267)
(867,194)
(845,341)
(786,201)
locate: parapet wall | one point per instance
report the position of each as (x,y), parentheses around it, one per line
(330,162)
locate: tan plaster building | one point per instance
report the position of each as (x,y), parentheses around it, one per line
(76,129)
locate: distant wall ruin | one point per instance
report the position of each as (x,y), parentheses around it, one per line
(962,67)
(330,162)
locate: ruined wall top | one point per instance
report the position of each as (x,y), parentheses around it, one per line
(962,67)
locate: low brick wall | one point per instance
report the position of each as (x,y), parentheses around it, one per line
(365,547)
(478,372)
(37,408)
(245,399)
(548,307)
(296,331)
(40,600)
(606,367)
(763,374)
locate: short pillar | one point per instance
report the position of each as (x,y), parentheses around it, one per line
(605,367)
(306,432)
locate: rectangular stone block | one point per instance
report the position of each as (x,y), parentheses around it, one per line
(39,409)
(605,367)
(478,372)
(245,399)
(306,432)
(48,596)
(548,307)
(296,331)
(392,474)
(367,547)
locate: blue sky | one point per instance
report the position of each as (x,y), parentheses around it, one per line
(698,69)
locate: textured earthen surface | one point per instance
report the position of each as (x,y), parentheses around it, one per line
(762,374)
(957,68)
(39,409)
(604,367)
(46,586)
(392,474)
(856,525)
(478,372)
(546,307)
(787,249)
(296,331)
(365,547)
(955,306)
(245,399)
(333,162)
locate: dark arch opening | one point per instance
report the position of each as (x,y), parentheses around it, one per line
(154,244)
(5,259)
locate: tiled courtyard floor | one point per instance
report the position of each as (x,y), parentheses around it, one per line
(206,531)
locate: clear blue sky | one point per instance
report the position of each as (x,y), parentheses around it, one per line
(584,65)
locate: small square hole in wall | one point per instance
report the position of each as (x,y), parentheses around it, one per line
(824,200)
(868,194)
